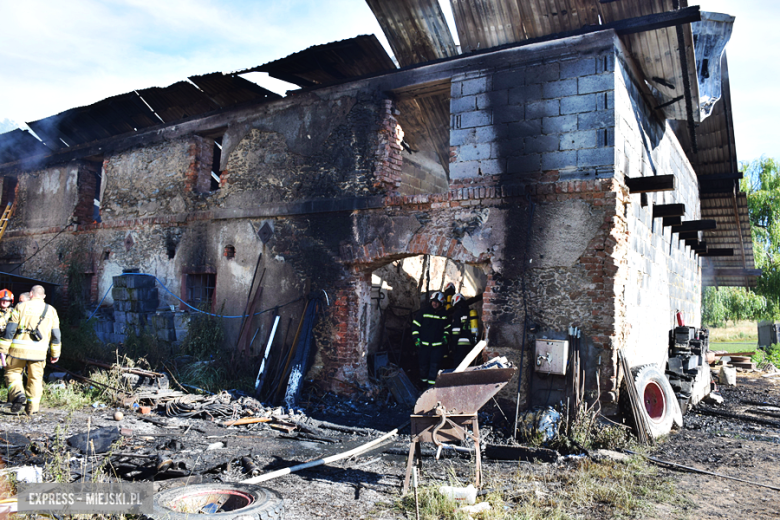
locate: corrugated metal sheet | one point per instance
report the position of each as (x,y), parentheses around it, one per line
(487,23)
(330,63)
(720,199)
(545,17)
(112,116)
(416,29)
(17,144)
(226,89)
(178,101)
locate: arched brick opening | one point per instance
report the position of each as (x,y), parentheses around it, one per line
(347,363)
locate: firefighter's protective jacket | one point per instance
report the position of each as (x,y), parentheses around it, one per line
(24,319)
(431,326)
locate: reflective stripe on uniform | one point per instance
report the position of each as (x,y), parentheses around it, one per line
(434,316)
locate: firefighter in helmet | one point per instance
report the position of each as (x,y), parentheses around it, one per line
(430,330)
(32,332)
(6,304)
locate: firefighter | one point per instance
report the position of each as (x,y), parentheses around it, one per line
(33,330)
(464,327)
(6,304)
(430,330)
(449,292)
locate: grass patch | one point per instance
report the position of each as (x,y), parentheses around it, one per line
(735,331)
(590,489)
(734,346)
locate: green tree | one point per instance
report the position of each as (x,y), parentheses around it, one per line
(761,182)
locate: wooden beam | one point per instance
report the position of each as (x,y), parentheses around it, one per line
(701,247)
(693,242)
(732,272)
(695,225)
(668,210)
(656,21)
(719,252)
(672,221)
(720,176)
(688,234)
(650,184)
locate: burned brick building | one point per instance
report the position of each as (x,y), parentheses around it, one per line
(565,164)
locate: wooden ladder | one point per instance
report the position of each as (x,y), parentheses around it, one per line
(5,218)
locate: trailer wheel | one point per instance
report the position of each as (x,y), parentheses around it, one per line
(658,398)
(218,501)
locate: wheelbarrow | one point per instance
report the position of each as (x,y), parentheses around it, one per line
(448,412)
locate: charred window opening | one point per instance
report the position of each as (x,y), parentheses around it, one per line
(423,133)
(9,191)
(200,290)
(86,288)
(216,174)
(106,255)
(230,252)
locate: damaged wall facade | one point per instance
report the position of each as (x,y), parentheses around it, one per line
(542,138)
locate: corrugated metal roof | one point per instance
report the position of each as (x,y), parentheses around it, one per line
(177,101)
(332,62)
(721,200)
(112,116)
(416,30)
(226,89)
(17,144)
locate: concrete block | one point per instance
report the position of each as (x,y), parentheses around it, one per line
(119,316)
(605,63)
(596,157)
(463,104)
(120,294)
(488,134)
(139,281)
(474,119)
(120,328)
(591,120)
(605,100)
(506,148)
(475,86)
(559,160)
(493,99)
(509,79)
(524,164)
(539,109)
(509,114)
(122,305)
(464,170)
(559,124)
(606,137)
(577,67)
(559,89)
(143,294)
(459,137)
(180,334)
(492,166)
(577,104)
(578,140)
(527,128)
(542,73)
(524,94)
(473,152)
(595,83)
(119,281)
(455,89)
(166,334)
(541,144)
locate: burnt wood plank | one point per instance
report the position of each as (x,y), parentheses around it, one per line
(719,252)
(668,210)
(688,234)
(672,221)
(650,184)
(695,225)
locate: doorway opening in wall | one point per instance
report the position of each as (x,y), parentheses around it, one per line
(200,290)
(398,291)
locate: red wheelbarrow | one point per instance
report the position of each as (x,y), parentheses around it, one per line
(448,411)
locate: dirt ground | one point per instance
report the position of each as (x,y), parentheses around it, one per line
(368,486)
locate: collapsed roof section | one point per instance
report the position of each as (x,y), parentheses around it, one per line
(330,63)
(131,112)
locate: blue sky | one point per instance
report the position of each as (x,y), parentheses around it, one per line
(59,55)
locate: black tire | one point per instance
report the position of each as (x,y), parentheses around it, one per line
(245,502)
(659,401)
